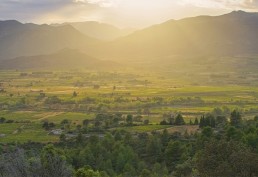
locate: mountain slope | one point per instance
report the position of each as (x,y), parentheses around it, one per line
(233,34)
(100,31)
(64,59)
(230,34)
(19,39)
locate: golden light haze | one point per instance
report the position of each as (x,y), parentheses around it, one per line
(123,13)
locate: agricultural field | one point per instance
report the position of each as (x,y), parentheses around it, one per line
(29,99)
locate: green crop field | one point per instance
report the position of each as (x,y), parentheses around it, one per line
(141,129)
(28,100)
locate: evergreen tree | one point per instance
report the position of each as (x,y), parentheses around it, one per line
(235,118)
(87,172)
(191,123)
(213,122)
(75,94)
(145,173)
(129,119)
(202,122)
(154,148)
(179,120)
(196,121)
(174,154)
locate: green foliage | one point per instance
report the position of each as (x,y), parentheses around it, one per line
(221,158)
(116,134)
(154,148)
(256,118)
(179,120)
(146,122)
(235,118)
(207,120)
(233,133)
(62,137)
(185,169)
(54,162)
(196,121)
(17,163)
(53,100)
(87,172)
(129,119)
(209,153)
(145,173)
(75,94)
(175,153)
(2,120)
(48,125)
(207,132)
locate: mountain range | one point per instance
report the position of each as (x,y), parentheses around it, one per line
(227,35)
(63,59)
(233,34)
(101,31)
(19,39)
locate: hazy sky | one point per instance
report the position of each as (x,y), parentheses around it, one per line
(123,13)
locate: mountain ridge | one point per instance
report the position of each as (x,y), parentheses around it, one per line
(32,39)
(233,34)
(63,59)
(100,31)
(202,35)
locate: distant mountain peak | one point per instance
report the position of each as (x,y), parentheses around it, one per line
(10,22)
(240,13)
(100,30)
(226,35)
(19,39)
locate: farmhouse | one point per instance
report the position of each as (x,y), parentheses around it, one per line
(55,132)
(2,135)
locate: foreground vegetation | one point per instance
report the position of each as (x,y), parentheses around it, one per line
(222,149)
(88,124)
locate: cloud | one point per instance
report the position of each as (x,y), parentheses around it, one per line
(240,4)
(120,12)
(223,4)
(27,9)
(35,10)
(100,3)
(243,4)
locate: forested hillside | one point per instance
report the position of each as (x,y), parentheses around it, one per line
(221,148)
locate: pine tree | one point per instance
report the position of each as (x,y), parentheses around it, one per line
(235,118)
(196,121)
(213,122)
(202,123)
(179,120)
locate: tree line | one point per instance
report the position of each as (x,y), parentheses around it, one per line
(230,148)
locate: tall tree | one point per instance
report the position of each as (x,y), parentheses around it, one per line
(129,119)
(174,154)
(235,118)
(179,120)
(224,159)
(54,162)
